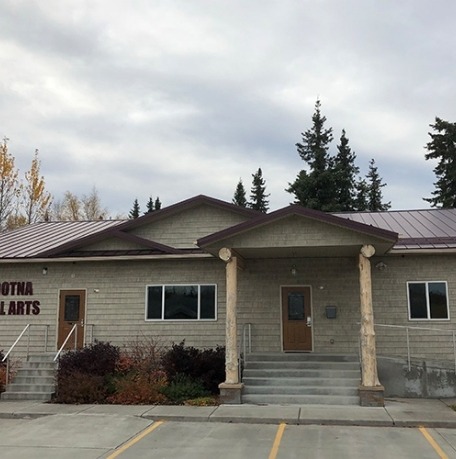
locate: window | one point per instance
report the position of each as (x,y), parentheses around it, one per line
(181,302)
(428,300)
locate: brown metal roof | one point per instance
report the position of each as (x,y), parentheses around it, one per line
(30,241)
(295,209)
(417,229)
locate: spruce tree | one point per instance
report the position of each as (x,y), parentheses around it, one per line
(442,147)
(360,202)
(374,189)
(345,172)
(157,204)
(258,193)
(316,189)
(239,197)
(134,212)
(149,206)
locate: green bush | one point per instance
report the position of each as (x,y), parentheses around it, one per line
(81,388)
(86,375)
(96,359)
(183,387)
(207,366)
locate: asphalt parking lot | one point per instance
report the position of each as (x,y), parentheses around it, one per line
(105,436)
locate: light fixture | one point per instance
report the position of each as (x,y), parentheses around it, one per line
(45,271)
(293,271)
(381,266)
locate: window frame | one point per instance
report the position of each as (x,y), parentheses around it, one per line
(198,318)
(428,304)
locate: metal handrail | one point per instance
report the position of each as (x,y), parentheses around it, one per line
(74,329)
(15,342)
(26,329)
(246,326)
(408,327)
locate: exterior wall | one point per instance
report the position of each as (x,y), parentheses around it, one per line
(183,229)
(333,281)
(116,295)
(297,231)
(116,302)
(391,307)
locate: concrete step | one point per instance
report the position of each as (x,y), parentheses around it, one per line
(15,387)
(21,379)
(293,373)
(301,390)
(300,357)
(301,378)
(302,382)
(35,372)
(38,364)
(44,396)
(275,399)
(302,365)
(35,380)
(49,357)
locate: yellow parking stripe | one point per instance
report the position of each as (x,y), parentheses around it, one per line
(134,440)
(433,443)
(277,440)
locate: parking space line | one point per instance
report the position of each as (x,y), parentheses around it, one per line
(135,439)
(433,443)
(277,440)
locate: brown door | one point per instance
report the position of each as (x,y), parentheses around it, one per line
(296,319)
(71,312)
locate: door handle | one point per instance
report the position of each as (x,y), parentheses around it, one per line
(82,322)
(309,321)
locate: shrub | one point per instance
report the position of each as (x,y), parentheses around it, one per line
(141,355)
(136,389)
(86,375)
(207,366)
(184,387)
(96,359)
(77,387)
(203,401)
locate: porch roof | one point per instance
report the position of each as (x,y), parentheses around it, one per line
(295,231)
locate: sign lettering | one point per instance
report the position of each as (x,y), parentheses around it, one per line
(18,307)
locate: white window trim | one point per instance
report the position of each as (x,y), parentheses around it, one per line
(198,319)
(428,306)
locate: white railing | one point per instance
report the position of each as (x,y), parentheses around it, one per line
(446,339)
(62,347)
(27,329)
(245,345)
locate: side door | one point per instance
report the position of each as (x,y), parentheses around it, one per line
(296,319)
(72,305)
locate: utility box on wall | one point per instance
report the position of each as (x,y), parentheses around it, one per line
(331,312)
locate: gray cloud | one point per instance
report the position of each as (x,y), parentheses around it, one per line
(182,98)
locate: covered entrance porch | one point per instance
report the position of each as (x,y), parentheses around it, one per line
(302,279)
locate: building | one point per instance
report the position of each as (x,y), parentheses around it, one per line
(210,272)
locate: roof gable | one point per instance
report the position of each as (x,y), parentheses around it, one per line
(296,227)
(151,233)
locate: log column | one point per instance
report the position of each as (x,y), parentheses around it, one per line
(231,389)
(371,391)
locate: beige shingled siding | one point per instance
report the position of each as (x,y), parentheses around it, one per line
(296,231)
(117,310)
(183,229)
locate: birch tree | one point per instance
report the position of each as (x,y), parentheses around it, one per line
(9,184)
(36,200)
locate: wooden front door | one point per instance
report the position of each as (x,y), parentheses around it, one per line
(71,312)
(296,319)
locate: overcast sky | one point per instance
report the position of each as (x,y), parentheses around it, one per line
(172,98)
